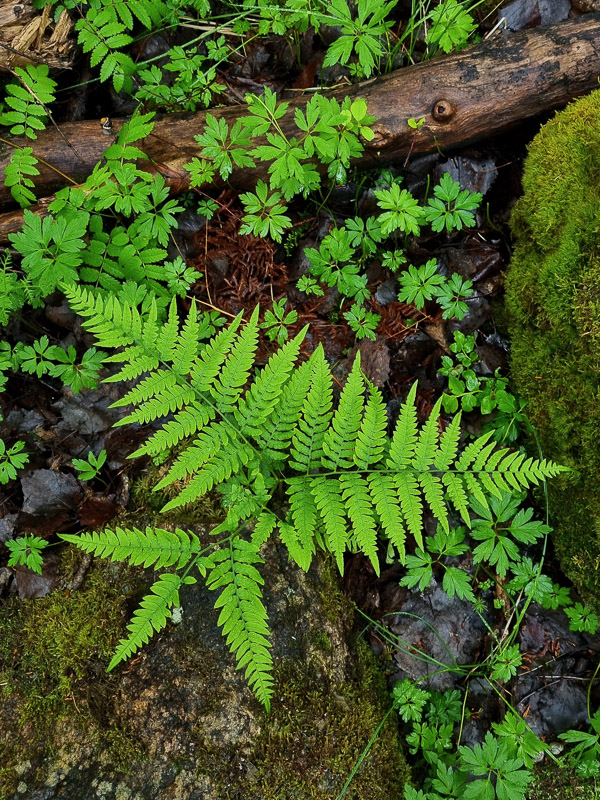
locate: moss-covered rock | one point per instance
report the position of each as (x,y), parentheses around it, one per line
(553,299)
(178,722)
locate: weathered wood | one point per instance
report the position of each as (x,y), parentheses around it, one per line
(464,97)
(30,36)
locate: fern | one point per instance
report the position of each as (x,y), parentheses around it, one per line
(243,616)
(151,617)
(249,434)
(155,548)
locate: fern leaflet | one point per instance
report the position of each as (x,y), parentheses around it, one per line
(243,616)
(150,617)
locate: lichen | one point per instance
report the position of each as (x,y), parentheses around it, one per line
(552,295)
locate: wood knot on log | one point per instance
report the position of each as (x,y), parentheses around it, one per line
(442,111)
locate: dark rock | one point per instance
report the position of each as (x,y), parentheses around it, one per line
(48,492)
(8,525)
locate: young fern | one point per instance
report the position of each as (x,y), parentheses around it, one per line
(344,477)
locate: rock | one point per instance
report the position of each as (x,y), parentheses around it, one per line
(553,285)
(178,722)
(47,492)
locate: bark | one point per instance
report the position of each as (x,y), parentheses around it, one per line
(464,97)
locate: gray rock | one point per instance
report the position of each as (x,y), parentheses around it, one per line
(48,492)
(178,722)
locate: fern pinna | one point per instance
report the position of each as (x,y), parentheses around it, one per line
(249,434)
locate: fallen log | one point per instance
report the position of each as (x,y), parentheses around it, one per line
(467,96)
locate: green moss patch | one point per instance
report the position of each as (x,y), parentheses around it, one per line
(316,732)
(553,303)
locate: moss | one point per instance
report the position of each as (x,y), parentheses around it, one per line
(557,783)
(553,310)
(53,656)
(316,733)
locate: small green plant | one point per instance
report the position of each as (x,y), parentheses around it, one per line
(421,284)
(360,37)
(277,321)
(490,394)
(364,323)
(586,752)
(11,460)
(451,208)
(450,26)
(89,468)
(27,551)
(28,101)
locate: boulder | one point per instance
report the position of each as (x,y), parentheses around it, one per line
(178,722)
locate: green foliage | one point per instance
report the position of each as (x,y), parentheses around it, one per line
(361,36)
(41,358)
(586,752)
(89,468)
(22,164)
(451,208)
(28,101)
(498,774)
(27,551)
(276,321)
(11,460)
(488,393)
(450,26)
(193,83)
(327,130)
(364,323)
(151,616)
(343,475)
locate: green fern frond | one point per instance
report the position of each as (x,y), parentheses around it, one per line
(276,436)
(298,552)
(304,512)
(426,444)
(307,440)
(150,617)
(371,440)
(409,494)
(114,324)
(213,356)
(153,548)
(243,616)
(222,465)
(171,398)
(264,393)
(405,434)
(186,423)
(448,445)
(265,525)
(228,387)
(340,438)
(385,499)
(328,496)
(355,492)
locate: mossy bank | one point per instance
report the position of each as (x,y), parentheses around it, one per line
(178,722)
(553,300)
